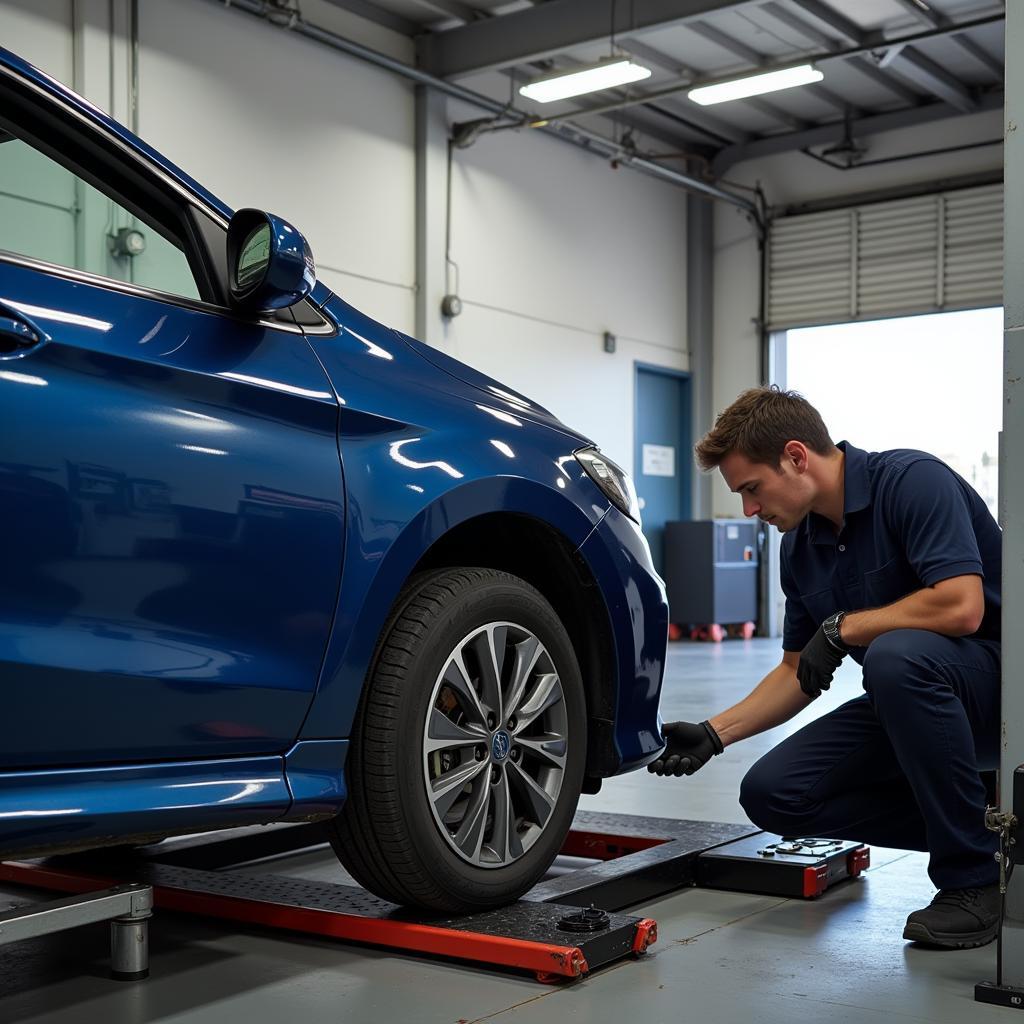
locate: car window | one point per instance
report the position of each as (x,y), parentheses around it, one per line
(50,214)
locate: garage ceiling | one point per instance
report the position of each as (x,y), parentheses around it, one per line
(888,64)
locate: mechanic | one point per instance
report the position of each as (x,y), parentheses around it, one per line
(893,559)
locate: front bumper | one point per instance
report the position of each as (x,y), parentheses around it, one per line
(620,559)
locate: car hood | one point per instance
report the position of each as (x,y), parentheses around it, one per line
(513,401)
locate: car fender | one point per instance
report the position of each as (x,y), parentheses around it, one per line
(370,587)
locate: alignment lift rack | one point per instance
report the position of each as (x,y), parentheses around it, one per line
(226,875)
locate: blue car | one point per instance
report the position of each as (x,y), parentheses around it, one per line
(263,559)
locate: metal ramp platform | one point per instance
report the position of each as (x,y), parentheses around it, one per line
(231,875)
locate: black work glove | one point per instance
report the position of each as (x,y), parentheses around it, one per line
(689,747)
(818,663)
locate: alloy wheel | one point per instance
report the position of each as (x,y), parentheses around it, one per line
(495,744)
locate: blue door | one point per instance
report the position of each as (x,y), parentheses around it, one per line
(663,458)
(172,524)
(171,499)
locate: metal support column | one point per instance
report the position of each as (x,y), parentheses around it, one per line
(1011,467)
(431,212)
(700,260)
(127,908)
(1009,987)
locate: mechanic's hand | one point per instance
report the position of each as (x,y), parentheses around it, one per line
(689,747)
(818,663)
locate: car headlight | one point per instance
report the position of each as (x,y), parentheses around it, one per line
(613,480)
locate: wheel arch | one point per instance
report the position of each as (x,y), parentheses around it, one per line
(538,553)
(529,530)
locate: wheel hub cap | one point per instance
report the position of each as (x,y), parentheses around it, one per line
(500,746)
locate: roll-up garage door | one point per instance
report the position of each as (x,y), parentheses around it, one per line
(922,255)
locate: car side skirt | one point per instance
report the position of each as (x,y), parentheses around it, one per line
(69,809)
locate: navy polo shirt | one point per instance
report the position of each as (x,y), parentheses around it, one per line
(909,521)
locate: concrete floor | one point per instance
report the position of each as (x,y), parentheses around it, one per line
(720,958)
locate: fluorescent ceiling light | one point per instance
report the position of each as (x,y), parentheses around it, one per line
(606,75)
(755,85)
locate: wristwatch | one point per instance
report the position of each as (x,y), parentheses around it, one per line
(831,628)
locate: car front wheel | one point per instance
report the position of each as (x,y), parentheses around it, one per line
(468,749)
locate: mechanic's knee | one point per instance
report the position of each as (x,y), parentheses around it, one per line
(762,800)
(890,658)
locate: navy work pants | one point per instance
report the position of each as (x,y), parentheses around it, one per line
(900,765)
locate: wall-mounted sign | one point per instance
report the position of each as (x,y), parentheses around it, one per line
(659,460)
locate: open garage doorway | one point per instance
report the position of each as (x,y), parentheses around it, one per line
(929,382)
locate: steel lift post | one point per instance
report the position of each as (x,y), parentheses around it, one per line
(1008,988)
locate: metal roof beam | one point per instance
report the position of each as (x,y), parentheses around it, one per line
(776,113)
(923,12)
(897,87)
(452,9)
(751,56)
(935,19)
(661,60)
(912,64)
(371,12)
(616,114)
(870,69)
(786,17)
(822,134)
(726,42)
(550,28)
(855,56)
(849,31)
(721,132)
(982,56)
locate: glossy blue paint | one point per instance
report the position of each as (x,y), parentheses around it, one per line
(315,770)
(620,558)
(288,275)
(207,520)
(408,483)
(80,807)
(172,485)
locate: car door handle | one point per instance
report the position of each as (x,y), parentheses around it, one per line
(18,336)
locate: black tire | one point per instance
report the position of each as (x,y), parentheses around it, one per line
(387,835)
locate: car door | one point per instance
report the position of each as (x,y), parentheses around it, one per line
(171,500)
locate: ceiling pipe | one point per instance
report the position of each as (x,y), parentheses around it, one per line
(289,19)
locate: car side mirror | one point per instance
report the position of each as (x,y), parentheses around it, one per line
(270,265)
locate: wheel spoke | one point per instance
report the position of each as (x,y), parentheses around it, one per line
(527,653)
(548,747)
(470,836)
(546,694)
(446,788)
(444,734)
(505,845)
(457,678)
(489,646)
(539,802)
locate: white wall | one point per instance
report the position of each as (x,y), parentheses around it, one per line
(554,247)
(40,31)
(793,178)
(266,118)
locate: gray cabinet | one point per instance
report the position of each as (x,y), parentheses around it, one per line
(710,570)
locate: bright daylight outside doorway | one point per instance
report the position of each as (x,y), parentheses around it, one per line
(905,383)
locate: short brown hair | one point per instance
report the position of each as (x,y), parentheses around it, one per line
(758,425)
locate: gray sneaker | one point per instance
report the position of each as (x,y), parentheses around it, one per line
(957,918)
